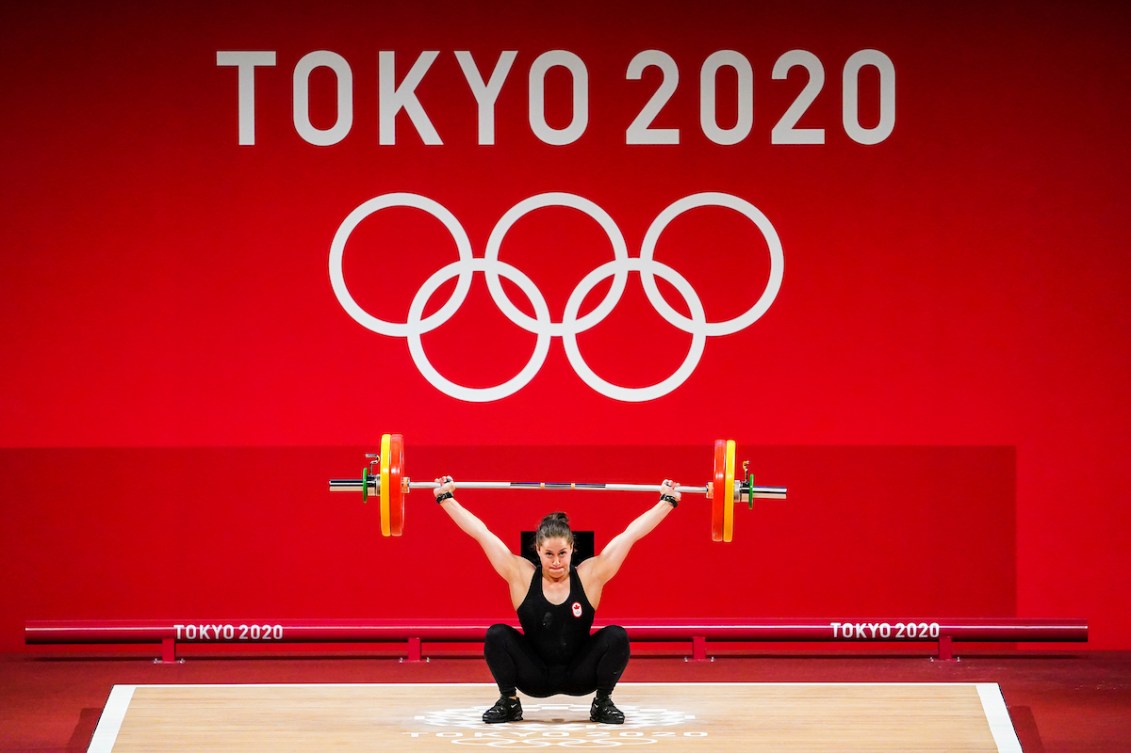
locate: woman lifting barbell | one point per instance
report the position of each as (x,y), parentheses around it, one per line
(556,602)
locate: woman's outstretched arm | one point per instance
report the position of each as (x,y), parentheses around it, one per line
(597,571)
(511,567)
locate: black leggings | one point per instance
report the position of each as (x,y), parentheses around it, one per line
(597,665)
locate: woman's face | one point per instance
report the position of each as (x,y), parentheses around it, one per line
(554,554)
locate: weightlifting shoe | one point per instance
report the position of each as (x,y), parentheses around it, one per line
(505,710)
(604,712)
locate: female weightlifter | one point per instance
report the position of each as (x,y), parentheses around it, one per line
(555,652)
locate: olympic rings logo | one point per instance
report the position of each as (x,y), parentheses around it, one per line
(542,324)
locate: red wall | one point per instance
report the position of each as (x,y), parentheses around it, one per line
(251,533)
(937,380)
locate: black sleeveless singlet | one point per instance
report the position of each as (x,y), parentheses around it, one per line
(556,631)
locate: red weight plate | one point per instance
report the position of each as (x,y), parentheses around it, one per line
(718,495)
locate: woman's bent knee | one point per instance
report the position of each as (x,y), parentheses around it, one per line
(498,632)
(615,635)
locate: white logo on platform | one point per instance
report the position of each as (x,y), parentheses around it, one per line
(565,724)
(571,324)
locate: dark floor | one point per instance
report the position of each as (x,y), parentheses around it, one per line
(1060,703)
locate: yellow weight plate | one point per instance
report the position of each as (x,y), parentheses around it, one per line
(728,493)
(386,451)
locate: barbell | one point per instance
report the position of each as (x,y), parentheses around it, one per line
(385,477)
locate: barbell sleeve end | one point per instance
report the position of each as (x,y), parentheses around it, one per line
(765,492)
(351,484)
